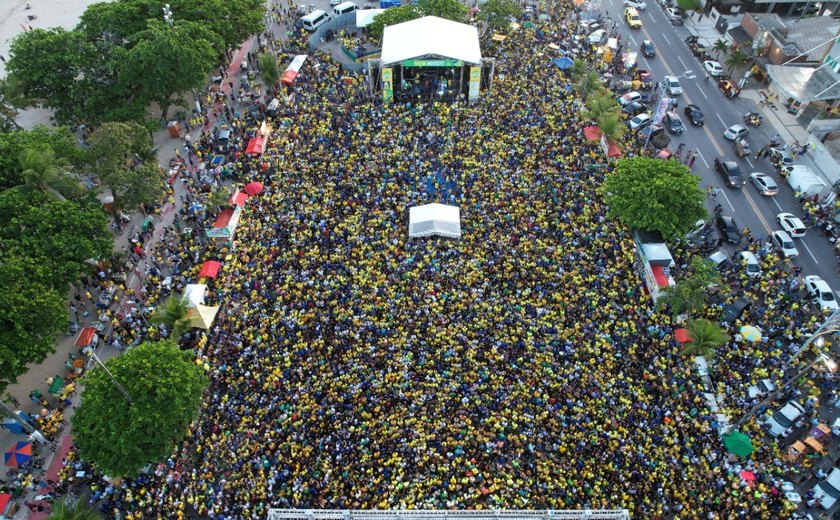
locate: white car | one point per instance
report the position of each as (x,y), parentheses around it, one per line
(335,2)
(792,225)
(765,184)
(750,263)
(641,6)
(713,68)
(736,132)
(827,491)
(597,36)
(639,121)
(785,243)
(629,97)
(822,294)
(672,86)
(781,423)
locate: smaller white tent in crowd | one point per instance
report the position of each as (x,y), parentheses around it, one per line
(194,294)
(434,220)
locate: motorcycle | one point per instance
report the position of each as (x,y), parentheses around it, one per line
(677,21)
(753,118)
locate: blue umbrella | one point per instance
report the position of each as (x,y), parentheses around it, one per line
(564,63)
(195,207)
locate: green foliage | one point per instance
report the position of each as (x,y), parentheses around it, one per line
(720,46)
(688,5)
(31,317)
(232,20)
(114,156)
(57,235)
(164,60)
(268,69)
(66,508)
(654,195)
(173,315)
(497,13)
(42,172)
(705,338)
(612,126)
(589,83)
(393,16)
(9,104)
(449,9)
(735,60)
(600,104)
(12,144)
(690,294)
(119,437)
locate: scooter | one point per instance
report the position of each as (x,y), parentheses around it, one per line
(677,21)
(752,118)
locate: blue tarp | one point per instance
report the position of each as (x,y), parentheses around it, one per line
(564,63)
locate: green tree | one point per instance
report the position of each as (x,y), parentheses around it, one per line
(117,22)
(588,84)
(173,315)
(449,9)
(163,61)
(690,294)
(654,195)
(600,104)
(497,13)
(232,20)
(9,104)
(268,69)
(689,5)
(12,144)
(612,126)
(114,156)
(31,317)
(218,197)
(720,46)
(119,437)
(58,235)
(735,60)
(705,338)
(65,508)
(42,172)
(579,68)
(393,16)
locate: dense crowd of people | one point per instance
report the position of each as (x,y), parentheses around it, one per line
(522,366)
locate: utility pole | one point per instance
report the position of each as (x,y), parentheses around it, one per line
(88,351)
(28,428)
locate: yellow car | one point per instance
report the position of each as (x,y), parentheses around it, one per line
(633,18)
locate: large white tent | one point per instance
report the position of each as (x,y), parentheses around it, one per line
(364,17)
(430,36)
(434,219)
(194,294)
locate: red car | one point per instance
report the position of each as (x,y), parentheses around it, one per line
(728,88)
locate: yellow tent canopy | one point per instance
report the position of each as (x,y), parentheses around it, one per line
(202,316)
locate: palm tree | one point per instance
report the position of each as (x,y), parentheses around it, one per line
(8,108)
(612,127)
(173,315)
(705,338)
(42,172)
(65,509)
(720,46)
(268,69)
(588,84)
(735,60)
(578,69)
(600,104)
(218,197)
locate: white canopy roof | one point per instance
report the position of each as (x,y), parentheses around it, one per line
(430,35)
(194,294)
(434,219)
(364,17)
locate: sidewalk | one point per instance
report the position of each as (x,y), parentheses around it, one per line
(54,364)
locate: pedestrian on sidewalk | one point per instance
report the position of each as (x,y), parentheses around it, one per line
(691,162)
(13,400)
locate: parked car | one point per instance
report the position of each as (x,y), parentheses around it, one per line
(735,132)
(733,311)
(648,50)
(730,171)
(597,37)
(720,259)
(634,108)
(713,68)
(658,138)
(640,121)
(641,6)
(728,228)
(780,157)
(673,123)
(792,225)
(820,291)
(785,243)
(695,116)
(764,183)
(762,388)
(750,263)
(827,490)
(729,89)
(672,86)
(629,97)
(780,424)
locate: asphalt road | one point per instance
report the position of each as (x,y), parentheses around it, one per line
(747,205)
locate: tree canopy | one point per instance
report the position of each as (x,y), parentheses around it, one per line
(654,195)
(165,387)
(393,16)
(12,144)
(497,13)
(449,9)
(690,294)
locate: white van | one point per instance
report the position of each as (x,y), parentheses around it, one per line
(315,19)
(345,7)
(828,490)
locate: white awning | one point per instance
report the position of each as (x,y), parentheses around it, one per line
(364,17)
(434,219)
(430,36)
(194,294)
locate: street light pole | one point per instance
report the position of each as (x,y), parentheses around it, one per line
(28,428)
(88,351)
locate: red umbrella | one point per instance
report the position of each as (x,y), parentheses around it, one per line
(254,188)
(209,269)
(20,453)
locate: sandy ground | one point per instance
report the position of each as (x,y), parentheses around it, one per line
(49,13)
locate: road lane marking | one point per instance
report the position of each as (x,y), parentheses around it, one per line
(721,121)
(810,253)
(666,39)
(749,162)
(727,201)
(704,94)
(704,160)
(633,40)
(777,205)
(683,63)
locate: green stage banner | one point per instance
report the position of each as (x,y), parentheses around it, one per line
(432,63)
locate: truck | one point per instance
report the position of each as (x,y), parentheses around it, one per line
(804,181)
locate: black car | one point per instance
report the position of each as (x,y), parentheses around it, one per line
(648,50)
(728,228)
(673,123)
(694,115)
(734,310)
(731,173)
(633,109)
(658,138)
